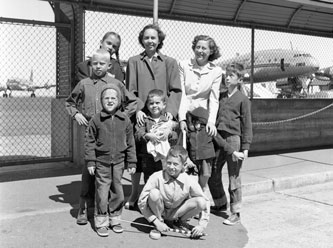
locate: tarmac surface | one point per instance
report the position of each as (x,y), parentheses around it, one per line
(43,198)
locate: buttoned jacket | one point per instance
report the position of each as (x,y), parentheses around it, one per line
(200,87)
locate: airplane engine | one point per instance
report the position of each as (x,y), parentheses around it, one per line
(325,74)
(291,87)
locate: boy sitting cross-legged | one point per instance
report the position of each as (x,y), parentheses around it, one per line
(171,196)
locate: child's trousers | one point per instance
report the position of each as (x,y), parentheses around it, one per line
(215,181)
(108,181)
(87,193)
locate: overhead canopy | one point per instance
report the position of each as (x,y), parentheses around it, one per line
(297,16)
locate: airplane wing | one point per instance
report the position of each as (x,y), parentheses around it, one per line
(45,86)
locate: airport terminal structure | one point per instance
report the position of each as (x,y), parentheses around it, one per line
(280,42)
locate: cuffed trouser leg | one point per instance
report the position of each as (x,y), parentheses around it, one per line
(101,221)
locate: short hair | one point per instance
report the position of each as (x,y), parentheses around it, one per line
(161,35)
(178,151)
(112,87)
(212,46)
(236,68)
(102,52)
(156,92)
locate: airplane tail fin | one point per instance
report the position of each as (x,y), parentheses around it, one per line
(32,75)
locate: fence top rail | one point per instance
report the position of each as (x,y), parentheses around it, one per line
(34,22)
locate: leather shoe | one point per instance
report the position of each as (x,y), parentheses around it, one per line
(82,217)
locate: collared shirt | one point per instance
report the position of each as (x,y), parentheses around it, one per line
(174,193)
(143,76)
(200,87)
(86,97)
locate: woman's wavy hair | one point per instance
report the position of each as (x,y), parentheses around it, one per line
(212,46)
(161,35)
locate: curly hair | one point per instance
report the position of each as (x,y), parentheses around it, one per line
(212,46)
(161,35)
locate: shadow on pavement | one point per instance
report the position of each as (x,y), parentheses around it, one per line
(69,194)
(141,224)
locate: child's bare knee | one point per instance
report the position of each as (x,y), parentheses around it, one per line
(154,195)
(201,203)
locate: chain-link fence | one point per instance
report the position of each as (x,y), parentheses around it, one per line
(33,123)
(285,65)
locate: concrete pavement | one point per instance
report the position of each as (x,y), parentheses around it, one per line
(49,192)
(55,186)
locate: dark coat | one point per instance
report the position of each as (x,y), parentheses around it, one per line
(200,144)
(110,140)
(143,76)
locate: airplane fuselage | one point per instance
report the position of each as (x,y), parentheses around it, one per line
(19,85)
(270,65)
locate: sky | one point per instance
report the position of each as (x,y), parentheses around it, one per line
(26,9)
(21,50)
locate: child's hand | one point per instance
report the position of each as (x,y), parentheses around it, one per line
(131,171)
(140,118)
(161,136)
(197,232)
(91,170)
(81,120)
(183,126)
(246,154)
(160,226)
(237,156)
(152,137)
(189,164)
(211,129)
(169,116)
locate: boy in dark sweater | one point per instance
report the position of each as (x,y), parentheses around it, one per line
(235,126)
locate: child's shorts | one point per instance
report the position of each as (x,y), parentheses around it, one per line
(204,167)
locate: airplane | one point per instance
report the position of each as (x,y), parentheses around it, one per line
(290,69)
(323,78)
(20,84)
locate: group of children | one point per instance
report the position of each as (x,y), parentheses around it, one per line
(134,126)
